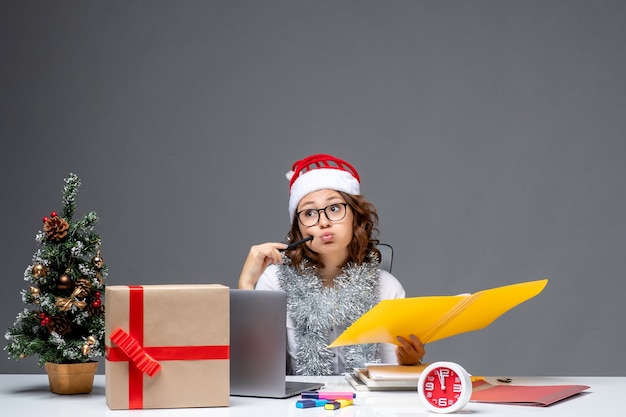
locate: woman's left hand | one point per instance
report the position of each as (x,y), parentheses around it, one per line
(411,351)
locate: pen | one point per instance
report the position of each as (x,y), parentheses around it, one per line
(308,403)
(298,243)
(333,405)
(328,395)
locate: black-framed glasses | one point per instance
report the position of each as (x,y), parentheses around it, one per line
(334,213)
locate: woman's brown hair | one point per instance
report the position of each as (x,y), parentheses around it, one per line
(364,238)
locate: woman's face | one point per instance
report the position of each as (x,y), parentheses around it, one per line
(330,238)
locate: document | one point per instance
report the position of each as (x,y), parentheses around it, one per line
(433,318)
(540,395)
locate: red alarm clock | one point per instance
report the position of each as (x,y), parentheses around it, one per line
(444,387)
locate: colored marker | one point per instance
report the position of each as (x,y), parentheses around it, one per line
(298,243)
(333,405)
(328,395)
(308,403)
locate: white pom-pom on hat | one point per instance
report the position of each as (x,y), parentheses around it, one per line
(320,172)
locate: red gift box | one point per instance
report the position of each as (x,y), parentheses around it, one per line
(167,346)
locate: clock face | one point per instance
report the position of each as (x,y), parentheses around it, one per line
(444,387)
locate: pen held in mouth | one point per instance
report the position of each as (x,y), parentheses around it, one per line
(298,243)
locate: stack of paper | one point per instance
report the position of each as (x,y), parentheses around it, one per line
(385,377)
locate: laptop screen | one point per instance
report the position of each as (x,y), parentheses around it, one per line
(258,344)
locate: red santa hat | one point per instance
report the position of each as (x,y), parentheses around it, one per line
(320,172)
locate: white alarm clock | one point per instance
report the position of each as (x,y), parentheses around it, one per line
(444,387)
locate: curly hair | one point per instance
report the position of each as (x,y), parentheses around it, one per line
(364,237)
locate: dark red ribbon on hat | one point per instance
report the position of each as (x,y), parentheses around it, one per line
(145,359)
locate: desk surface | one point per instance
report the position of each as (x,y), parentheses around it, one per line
(29,395)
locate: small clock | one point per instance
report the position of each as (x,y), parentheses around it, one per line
(444,387)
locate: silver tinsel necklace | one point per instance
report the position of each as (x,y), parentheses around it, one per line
(316,309)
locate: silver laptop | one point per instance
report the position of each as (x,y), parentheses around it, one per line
(258,346)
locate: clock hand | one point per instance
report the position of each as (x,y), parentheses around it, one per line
(442,381)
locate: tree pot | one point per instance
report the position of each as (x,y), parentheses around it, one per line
(71,378)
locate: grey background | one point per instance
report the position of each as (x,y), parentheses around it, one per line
(489,134)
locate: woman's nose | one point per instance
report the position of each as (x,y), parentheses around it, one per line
(323,221)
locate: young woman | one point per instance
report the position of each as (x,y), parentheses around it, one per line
(332,279)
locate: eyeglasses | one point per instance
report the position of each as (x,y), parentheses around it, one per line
(334,213)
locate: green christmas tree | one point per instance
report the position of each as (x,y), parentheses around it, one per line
(65,321)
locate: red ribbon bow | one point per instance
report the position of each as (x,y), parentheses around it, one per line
(135,352)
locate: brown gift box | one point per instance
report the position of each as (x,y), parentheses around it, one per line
(178,333)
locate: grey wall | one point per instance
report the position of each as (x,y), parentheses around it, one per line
(490,135)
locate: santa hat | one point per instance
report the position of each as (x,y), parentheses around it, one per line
(320,172)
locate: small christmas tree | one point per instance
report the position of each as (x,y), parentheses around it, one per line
(66,321)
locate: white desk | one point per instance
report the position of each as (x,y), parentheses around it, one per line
(29,395)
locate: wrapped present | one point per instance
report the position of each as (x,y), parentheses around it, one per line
(167,346)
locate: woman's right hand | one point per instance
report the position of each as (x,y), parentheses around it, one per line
(259,258)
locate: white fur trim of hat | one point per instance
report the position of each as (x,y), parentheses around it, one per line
(320,172)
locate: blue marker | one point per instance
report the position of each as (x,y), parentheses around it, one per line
(308,403)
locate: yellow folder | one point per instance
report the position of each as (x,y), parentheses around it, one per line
(433,318)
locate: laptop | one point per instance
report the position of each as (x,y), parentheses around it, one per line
(258,346)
